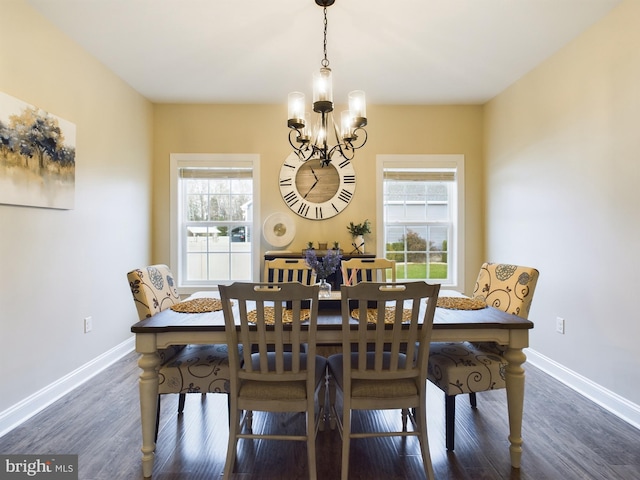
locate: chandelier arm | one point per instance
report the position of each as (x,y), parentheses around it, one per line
(300,151)
(295,134)
(358,137)
(344,150)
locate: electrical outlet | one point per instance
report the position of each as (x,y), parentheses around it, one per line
(560,325)
(88,324)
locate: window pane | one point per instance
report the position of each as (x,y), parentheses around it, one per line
(219,264)
(217,218)
(197,239)
(417,218)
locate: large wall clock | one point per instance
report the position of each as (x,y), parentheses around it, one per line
(314,191)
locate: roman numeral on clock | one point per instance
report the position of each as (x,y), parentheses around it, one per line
(345,195)
(349,179)
(291,198)
(303,209)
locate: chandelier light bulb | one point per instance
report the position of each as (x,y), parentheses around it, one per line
(346,125)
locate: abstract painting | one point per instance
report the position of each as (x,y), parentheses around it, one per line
(37,156)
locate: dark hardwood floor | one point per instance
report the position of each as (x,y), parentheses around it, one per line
(565,437)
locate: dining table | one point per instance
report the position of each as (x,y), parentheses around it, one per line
(488,324)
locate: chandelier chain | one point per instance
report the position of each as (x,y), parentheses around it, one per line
(325,61)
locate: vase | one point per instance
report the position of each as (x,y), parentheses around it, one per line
(358,243)
(325,289)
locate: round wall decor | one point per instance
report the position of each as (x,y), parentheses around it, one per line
(278,229)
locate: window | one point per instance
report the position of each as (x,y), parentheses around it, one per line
(213,218)
(421,210)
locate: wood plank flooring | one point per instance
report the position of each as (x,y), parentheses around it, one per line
(565,437)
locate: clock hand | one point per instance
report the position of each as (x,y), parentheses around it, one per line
(312,187)
(314,174)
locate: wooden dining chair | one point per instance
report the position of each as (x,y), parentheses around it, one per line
(387,364)
(288,270)
(356,270)
(464,367)
(279,376)
(183,368)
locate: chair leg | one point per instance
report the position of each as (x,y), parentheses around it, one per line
(472,399)
(181,399)
(322,399)
(346,438)
(421,421)
(311,438)
(332,403)
(157,419)
(234,421)
(450,420)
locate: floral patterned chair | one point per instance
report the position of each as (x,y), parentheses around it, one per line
(183,368)
(466,367)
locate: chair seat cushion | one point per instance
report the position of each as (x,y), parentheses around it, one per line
(196,369)
(462,367)
(372,388)
(290,390)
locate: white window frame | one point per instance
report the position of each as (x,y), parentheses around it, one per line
(195,160)
(456,245)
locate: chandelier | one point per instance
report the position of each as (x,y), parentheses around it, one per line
(313,142)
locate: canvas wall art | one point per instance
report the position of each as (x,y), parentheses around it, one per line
(37,156)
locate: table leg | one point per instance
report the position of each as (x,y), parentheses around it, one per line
(514,378)
(149,363)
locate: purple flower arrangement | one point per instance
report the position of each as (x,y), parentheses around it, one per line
(324,267)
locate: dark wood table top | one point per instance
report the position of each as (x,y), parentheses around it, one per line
(330,319)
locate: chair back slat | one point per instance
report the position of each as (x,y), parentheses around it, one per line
(407,309)
(284,270)
(257,318)
(356,270)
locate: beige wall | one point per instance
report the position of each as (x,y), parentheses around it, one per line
(563,170)
(262,129)
(59,266)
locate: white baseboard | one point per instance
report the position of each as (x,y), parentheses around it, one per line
(614,403)
(27,408)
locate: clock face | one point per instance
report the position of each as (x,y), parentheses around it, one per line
(314,191)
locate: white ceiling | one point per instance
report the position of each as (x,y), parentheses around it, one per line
(256,51)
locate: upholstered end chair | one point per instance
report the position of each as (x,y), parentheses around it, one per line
(183,368)
(508,288)
(153,290)
(463,367)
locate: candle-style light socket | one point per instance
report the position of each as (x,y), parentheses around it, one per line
(358,108)
(346,125)
(296,110)
(322,86)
